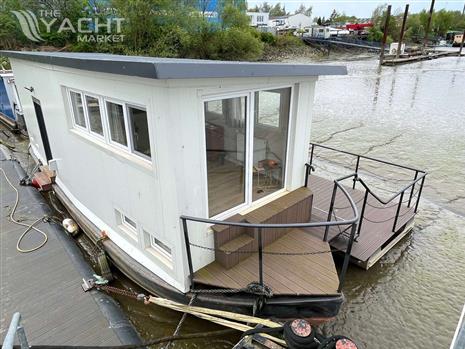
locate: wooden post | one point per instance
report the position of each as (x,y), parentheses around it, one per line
(428,24)
(383,44)
(461,44)
(404,20)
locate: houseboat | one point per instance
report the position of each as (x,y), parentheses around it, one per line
(195,176)
(10,106)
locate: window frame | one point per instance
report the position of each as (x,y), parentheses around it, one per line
(128,228)
(257,111)
(131,139)
(104,115)
(86,112)
(126,126)
(250,94)
(75,124)
(157,251)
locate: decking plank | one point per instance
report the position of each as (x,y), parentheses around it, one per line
(311,275)
(372,235)
(44,285)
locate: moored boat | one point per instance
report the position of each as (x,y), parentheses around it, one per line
(195,176)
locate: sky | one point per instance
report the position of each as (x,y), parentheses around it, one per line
(362,8)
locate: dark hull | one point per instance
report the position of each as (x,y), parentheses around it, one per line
(318,308)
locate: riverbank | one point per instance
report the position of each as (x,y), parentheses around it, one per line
(308,54)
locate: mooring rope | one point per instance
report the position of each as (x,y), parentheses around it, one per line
(28,226)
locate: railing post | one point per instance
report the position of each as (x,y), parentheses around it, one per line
(362,213)
(260,256)
(330,211)
(419,193)
(413,189)
(345,264)
(398,211)
(356,171)
(188,250)
(311,154)
(14,329)
(307,173)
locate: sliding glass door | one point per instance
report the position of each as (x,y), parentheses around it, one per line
(270,136)
(225,133)
(246,156)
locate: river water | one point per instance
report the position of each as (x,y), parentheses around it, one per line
(413,115)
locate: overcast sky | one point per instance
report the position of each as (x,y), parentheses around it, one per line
(362,8)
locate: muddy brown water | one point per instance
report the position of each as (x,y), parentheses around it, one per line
(414,115)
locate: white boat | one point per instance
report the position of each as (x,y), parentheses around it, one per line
(197,173)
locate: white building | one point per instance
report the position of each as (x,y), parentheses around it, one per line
(297,21)
(258,19)
(138,142)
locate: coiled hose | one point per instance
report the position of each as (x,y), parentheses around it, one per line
(29,227)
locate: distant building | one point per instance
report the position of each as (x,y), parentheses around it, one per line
(297,21)
(258,19)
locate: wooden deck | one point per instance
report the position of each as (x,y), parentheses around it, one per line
(286,275)
(45,285)
(376,235)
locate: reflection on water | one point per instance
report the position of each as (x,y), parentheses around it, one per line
(414,115)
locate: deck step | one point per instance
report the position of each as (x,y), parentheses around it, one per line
(232,252)
(293,207)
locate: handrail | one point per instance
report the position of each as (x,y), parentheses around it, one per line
(399,192)
(15,330)
(261,226)
(419,176)
(365,157)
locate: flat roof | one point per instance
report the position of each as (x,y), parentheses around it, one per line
(173,68)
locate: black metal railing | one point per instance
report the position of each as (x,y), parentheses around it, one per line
(408,189)
(261,229)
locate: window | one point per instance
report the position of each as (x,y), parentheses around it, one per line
(157,244)
(78,109)
(139,130)
(129,222)
(95,117)
(128,225)
(116,121)
(260,19)
(268,105)
(158,248)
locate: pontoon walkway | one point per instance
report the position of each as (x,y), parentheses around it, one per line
(45,285)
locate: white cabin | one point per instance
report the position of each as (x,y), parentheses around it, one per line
(258,19)
(137,142)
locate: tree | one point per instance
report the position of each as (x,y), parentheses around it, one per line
(277,10)
(231,17)
(265,7)
(304,10)
(308,11)
(300,9)
(254,9)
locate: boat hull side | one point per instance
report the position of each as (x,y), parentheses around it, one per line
(317,308)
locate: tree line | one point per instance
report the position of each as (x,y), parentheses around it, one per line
(442,21)
(163,28)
